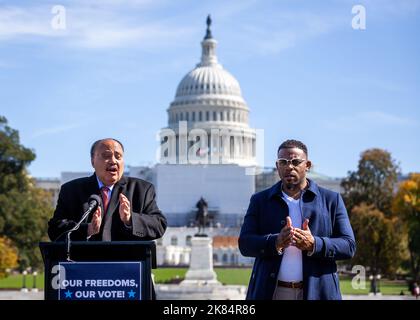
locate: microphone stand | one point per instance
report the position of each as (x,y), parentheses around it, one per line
(68,241)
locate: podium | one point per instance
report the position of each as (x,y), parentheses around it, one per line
(99,270)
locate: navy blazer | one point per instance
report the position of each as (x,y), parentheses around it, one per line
(329,224)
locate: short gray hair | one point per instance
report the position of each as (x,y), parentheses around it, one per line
(98,142)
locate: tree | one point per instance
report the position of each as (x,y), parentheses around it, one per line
(8,256)
(24,209)
(26,222)
(406,204)
(14,158)
(380,242)
(374,181)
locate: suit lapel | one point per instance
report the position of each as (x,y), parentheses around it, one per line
(91,188)
(281,211)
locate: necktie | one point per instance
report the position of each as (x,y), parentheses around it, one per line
(105,198)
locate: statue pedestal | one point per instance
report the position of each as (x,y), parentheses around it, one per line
(200,281)
(201,264)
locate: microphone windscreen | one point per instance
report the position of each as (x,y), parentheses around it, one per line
(95,199)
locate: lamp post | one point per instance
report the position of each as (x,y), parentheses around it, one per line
(378,283)
(375,283)
(24,288)
(372,285)
(34,287)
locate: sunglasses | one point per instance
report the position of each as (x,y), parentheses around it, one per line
(295,162)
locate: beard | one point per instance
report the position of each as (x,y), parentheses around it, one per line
(292,186)
(289,185)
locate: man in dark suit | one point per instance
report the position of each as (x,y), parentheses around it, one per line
(296,230)
(128,210)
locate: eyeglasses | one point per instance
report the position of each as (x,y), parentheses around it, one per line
(295,162)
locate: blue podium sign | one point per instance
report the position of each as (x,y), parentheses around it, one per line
(100,281)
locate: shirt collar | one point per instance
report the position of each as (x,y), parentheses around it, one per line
(289,198)
(276,189)
(100,184)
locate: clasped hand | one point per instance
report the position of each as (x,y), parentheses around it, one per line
(291,236)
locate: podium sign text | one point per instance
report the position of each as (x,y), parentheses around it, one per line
(98,280)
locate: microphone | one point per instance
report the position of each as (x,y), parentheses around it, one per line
(94,202)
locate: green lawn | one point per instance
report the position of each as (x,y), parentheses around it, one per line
(163,275)
(226,276)
(386,287)
(235,276)
(16,282)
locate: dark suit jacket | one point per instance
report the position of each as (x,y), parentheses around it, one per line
(148,223)
(329,224)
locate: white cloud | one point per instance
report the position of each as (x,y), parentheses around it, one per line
(55,130)
(367,81)
(382,118)
(15,22)
(283,29)
(119,3)
(113,36)
(111,24)
(124,23)
(90,27)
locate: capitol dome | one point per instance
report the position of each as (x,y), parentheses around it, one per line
(209,98)
(209,77)
(208,80)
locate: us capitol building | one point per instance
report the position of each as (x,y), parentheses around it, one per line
(208,150)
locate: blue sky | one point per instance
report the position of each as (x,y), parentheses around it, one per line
(304,72)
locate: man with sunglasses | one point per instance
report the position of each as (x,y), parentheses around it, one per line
(297,231)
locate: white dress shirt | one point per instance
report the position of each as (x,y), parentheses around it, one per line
(291,264)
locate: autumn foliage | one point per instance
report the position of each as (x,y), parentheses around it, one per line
(8,256)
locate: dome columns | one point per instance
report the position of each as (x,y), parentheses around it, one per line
(212,145)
